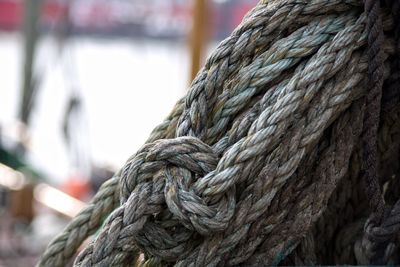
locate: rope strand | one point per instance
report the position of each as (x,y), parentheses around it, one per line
(384,222)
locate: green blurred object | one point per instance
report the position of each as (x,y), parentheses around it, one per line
(15,162)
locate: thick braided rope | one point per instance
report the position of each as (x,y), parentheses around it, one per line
(341,225)
(337,230)
(312,199)
(348,208)
(268,66)
(101,243)
(261,27)
(284,212)
(384,223)
(178,196)
(64,246)
(262,135)
(266,198)
(373,101)
(377,242)
(253,213)
(391,95)
(266,22)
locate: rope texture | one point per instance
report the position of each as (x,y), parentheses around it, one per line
(247,167)
(384,222)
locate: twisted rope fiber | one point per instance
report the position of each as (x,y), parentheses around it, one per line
(324,177)
(391,95)
(222,52)
(341,224)
(215,194)
(373,99)
(384,223)
(261,27)
(258,210)
(261,139)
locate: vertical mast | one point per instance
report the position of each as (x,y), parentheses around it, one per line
(198,36)
(31,33)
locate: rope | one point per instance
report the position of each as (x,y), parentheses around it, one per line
(373,99)
(245,165)
(384,223)
(392,94)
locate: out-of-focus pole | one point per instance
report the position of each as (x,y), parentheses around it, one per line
(198,36)
(31,32)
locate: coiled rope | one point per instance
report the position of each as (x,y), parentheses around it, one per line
(248,163)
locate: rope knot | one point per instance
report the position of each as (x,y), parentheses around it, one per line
(183,164)
(378,242)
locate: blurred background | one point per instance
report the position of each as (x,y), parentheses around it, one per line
(82,84)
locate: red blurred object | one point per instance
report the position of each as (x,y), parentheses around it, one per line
(53,11)
(78,187)
(166,18)
(12,12)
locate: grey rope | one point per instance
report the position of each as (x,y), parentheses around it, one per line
(211,185)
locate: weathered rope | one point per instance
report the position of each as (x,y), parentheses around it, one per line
(391,95)
(384,222)
(246,163)
(373,101)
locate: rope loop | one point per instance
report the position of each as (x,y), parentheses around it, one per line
(378,242)
(181,163)
(183,152)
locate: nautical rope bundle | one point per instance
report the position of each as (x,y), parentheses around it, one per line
(263,160)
